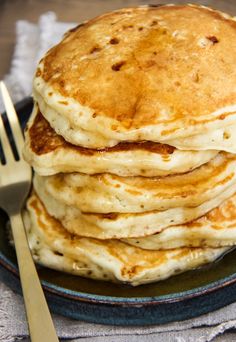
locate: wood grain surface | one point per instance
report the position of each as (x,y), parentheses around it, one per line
(68,10)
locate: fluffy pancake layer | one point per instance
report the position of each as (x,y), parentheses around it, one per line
(158,74)
(54,247)
(49,154)
(122,225)
(215,229)
(106,193)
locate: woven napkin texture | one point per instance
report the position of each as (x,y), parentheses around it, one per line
(32,41)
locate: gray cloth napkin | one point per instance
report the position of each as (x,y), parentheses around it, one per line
(32,41)
(204,328)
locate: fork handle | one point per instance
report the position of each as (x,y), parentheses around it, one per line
(40,323)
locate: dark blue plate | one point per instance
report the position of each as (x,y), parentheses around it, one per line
(181,297)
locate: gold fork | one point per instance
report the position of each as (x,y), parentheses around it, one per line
(15,182)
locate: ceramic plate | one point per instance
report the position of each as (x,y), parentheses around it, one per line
(180,297)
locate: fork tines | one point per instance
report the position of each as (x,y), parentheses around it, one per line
(10,130)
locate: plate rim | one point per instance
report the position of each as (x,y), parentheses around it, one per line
(121,301)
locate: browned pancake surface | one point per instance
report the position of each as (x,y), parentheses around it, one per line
(43,139)
(151,65)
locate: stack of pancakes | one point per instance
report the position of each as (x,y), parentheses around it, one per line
(133,141)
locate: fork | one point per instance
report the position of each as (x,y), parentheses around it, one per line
(15,182)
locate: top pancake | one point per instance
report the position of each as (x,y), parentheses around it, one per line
(141,74)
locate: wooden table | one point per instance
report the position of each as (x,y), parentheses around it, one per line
(67,10)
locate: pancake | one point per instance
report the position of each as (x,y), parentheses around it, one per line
(106,193)
(149,73)
(111,260)
(221,139)
(122,225)
(49,154)
(215,229)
